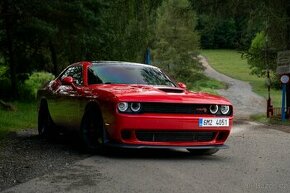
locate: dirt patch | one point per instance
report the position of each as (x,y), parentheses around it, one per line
(24,156)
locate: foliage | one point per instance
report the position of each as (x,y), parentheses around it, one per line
(217,32)
(36,80)
(49,35)
(261,60)
(176,40)
(251,17)
(256,55)
(130,24)
(226,23)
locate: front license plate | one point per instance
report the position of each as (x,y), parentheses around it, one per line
(214,122)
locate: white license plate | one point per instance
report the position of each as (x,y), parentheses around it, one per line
(214,122)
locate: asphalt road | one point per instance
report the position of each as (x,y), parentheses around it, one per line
(257,161)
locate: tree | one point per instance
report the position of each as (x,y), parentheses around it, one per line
(176,39)
(217,32)
(49,35)
(130,24)
(226,23)
(38,35)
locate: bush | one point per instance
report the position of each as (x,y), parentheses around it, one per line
(36,80)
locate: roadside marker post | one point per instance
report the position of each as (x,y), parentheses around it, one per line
(283,69)
(147,57)
(284,80)
(283,102)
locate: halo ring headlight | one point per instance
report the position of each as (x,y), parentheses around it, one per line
(213,109)
(123,106)
(225,109)
(135,107)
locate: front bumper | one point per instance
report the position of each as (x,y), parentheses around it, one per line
(132,124)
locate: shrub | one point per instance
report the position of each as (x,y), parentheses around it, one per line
(28,89)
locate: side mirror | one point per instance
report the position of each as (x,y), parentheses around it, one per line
(181,85)
(68,80)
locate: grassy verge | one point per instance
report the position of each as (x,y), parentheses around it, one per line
(23,117)
(206,84)
(229,62)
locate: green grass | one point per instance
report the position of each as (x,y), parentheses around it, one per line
(230,63)
(208,85)
(25,116)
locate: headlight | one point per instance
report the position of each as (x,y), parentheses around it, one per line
(213,109)
(123,106)
(135,107)
(225,109)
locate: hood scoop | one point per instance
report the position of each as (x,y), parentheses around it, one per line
(171,90)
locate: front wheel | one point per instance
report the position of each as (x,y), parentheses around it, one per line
(92,130)
(203,151)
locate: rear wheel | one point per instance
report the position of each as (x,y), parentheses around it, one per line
(203,151)
(92,131)
(46,128)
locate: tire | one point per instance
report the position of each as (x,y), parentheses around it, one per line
(92,130)
(46,127)
(203,151)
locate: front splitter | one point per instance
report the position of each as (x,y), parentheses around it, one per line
(165,147)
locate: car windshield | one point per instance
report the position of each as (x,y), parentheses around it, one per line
(127,74)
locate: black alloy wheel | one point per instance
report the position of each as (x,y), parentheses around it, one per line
(92,130)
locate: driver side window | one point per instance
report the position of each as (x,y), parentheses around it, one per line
(76,73)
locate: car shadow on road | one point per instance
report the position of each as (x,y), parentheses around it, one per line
(160,154)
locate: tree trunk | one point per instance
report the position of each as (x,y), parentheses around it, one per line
(53,58)
(10,48)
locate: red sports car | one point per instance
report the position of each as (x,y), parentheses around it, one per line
(132,105)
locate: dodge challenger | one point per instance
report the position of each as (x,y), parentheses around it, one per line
(132,105)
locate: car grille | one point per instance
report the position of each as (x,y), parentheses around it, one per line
(175,108)
(174,136)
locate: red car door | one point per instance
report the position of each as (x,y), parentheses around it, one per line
(64,104)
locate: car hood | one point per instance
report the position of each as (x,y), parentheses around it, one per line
(145,93)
